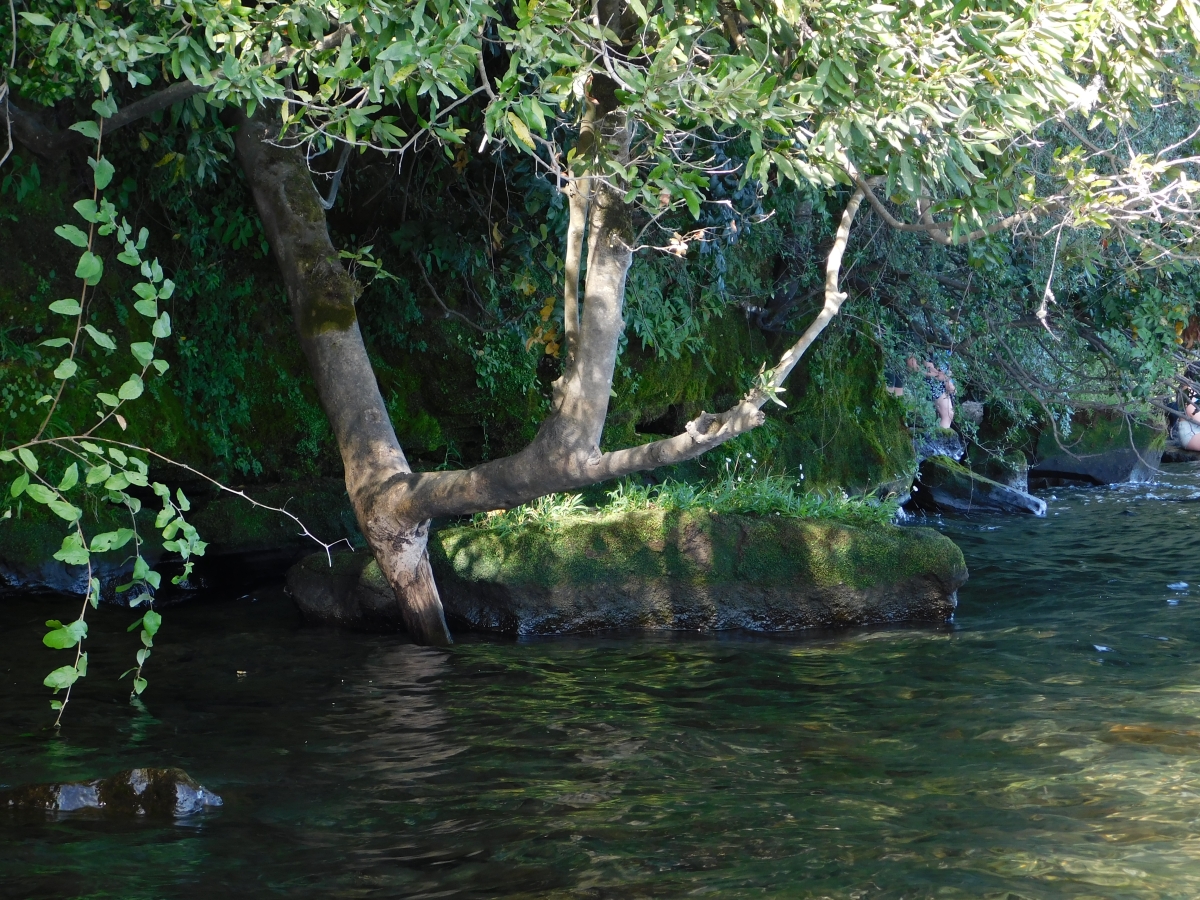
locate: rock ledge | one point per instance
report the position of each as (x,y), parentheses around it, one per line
(658,570)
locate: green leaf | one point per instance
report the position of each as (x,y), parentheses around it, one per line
(161,365)
(111,540)
(66,307)
(151,622)
(139,685)
(87,209)
(55,342)
(162,326)
(65,510)
(131,389)
(147,308)
(70,478)
(116,482)
(100,337)
(81,666)
(61,636)
(146,292)
(61,678)
(108,400)
(19,486)
(37,19)
(103,174)
(88,130)
(66,369)
(72,552)
(142,351)
(95,475)
(90,268)
(167,289)
(105,108)
(6,456)
(184,504)
(28,459)
(72,234)
(39,493)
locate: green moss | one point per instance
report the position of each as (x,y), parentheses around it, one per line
(1099,432)
(694,546)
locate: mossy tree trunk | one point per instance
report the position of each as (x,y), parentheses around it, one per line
(322,298)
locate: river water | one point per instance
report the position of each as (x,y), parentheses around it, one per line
(1045,745)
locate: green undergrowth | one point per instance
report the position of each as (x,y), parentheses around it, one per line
(734,494)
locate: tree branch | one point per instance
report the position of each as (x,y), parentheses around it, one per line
(51,143)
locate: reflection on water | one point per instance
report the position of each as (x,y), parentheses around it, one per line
(1047,745)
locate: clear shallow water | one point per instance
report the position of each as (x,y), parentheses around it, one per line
(1005,756)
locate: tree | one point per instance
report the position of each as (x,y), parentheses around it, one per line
(622,104)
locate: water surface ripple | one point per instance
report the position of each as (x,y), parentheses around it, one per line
(1046,745)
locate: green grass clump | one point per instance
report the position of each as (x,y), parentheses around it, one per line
(740,490)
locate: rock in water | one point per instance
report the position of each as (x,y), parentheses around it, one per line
(1103,448)
(946,486)
(148,792)
(659,570)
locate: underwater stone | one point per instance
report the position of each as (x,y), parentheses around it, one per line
(146,791)
(944,485)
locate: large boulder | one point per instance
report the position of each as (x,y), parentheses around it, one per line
(659,570)
(944,485)
(1103,448)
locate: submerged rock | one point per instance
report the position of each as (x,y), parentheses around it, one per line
(148,792)
(658,570)
(1173,453)
(946,486)
(1104,448)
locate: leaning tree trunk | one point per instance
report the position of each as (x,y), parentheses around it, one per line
(322,298)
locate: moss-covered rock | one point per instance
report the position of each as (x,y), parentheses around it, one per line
(659,569)
(1103,448)
(944,485)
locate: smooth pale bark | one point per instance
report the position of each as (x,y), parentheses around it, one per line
(322,298)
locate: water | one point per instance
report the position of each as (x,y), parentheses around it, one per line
(1005,756)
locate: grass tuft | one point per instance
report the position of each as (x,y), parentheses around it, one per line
(740,489)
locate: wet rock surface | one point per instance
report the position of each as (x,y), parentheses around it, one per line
(1173,453)
(1102,449)
(151,792)
(658,571)
(944,485)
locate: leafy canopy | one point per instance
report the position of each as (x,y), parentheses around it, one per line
(928,93)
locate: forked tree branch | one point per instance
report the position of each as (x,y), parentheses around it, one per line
(936,230)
